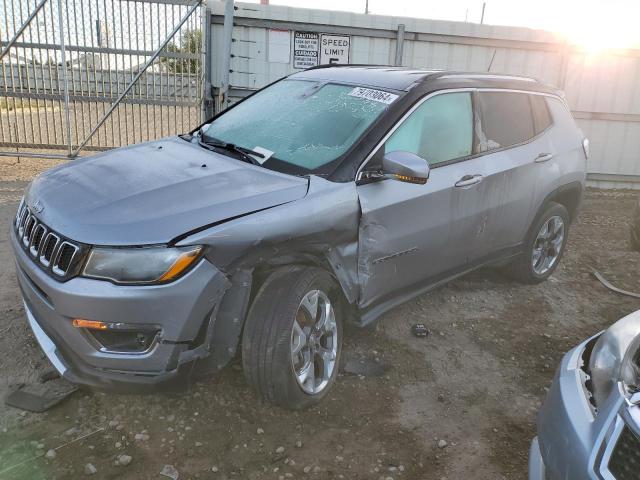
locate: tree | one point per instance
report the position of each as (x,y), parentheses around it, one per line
(190,42)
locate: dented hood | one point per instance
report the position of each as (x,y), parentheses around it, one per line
(153,192)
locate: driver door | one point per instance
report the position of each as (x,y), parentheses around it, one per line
(419,233)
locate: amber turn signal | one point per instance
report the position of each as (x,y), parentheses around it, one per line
(92,324)
(181,264)
(408,179)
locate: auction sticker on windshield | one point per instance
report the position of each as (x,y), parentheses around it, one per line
(375,95)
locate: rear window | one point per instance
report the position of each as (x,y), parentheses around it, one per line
(541,115)
(506,119)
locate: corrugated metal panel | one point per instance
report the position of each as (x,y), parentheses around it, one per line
(603,86)
(614,146)
(603,83)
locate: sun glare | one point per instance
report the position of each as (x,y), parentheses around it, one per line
(601,30)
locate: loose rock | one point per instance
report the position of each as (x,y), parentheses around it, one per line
(89,469)
(170,472)
(124,460)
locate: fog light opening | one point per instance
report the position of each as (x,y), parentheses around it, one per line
(118,337)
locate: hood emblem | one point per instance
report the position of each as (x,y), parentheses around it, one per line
(37,206)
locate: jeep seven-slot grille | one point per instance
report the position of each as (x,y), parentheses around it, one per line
(58,256)
(624,463)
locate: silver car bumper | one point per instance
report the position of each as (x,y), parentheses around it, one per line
(177,311)
(536,463)
(573,442)
(46,344)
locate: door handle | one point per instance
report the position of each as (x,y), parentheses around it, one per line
(468,180)
(543,157)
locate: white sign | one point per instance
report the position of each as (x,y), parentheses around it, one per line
(334,48)
(375,95)
(279,46)
(306,47)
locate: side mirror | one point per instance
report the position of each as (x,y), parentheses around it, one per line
(405,167)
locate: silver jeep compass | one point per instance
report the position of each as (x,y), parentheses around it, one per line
(329,196)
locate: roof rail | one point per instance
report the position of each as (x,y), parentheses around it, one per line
(490,76)
(332,65)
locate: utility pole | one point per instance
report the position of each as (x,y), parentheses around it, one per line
(484,5)
(366,7)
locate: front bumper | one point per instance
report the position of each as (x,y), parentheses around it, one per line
(573,442)
(536,463)
(178,310)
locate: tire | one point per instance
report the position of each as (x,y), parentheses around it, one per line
(269,337)
(524,268)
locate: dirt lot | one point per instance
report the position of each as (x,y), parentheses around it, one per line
(475,382)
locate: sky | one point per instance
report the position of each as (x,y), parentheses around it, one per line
(593,24)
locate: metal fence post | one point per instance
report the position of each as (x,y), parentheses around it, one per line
(207,99)
(226,52)
(65,79)
(399,44)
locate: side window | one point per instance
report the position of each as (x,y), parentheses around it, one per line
(439,130)
(541,115)
(506,119)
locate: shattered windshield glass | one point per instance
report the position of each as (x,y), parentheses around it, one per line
(303,123)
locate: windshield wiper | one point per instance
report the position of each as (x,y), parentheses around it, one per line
(245,153)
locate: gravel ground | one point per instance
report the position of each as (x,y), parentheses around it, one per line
(460,403)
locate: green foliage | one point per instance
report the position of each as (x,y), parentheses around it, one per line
(190,42)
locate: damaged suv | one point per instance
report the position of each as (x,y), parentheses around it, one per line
(589,425)
(333,194)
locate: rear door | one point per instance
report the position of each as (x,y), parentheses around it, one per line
(513,147)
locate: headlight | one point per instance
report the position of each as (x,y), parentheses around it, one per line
(615,358)
(140,265)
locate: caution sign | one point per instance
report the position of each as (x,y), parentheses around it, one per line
(334,48)
(306,47)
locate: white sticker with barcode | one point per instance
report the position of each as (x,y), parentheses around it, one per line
(375,95)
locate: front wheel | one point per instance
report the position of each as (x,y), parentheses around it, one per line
(544,246)
(292,338)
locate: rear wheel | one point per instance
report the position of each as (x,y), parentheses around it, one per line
(544,246)
(292,338)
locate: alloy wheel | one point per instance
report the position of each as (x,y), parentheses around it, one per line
(548,245)
(314,342)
